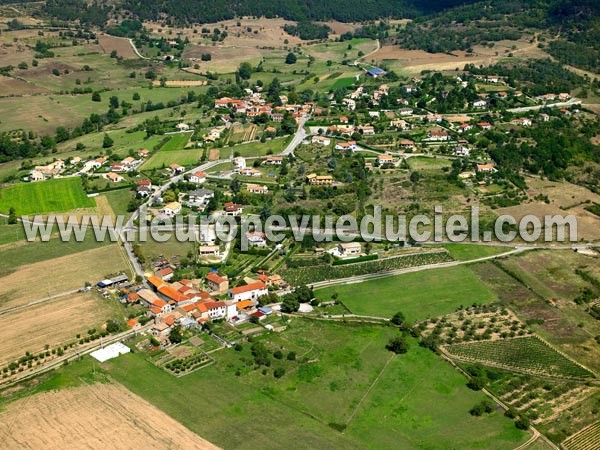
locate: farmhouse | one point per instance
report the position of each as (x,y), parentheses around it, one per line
(321,140)
(257,189)
(485,168)
(250,172)
(479,104)
(166,273)
(249,292)
(405,111)
(233,209)
(171,209)
(199,197)
(113,177)
(385,159)
(239,162)
(208,250)
(182,126)
(256,239)
(36,176)
(484,125)
(198,177)
(437,134)
(366,130)
(399,123)
(350,145)
(274,160)
(319,180)
(522,121)
(176,169)
(406,144)
(349,248)
(216,283)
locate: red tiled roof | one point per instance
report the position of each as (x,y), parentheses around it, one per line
(215,278)
(171,293)
(248,287)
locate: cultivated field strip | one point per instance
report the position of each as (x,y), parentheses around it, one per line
(586,439)
(523,354)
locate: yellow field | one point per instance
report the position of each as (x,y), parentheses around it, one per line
(39,280)
(95,416)
(53,323)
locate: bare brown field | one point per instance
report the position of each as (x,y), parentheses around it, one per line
(213,154)
(121,45)
(340,28)
(93,416)
(53,323)
(263,32)
(565,198)
(39,280)
(418,60)
(14,86)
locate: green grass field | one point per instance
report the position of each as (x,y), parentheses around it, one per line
(416,401)
(173,152)
(427,293)
(58,195)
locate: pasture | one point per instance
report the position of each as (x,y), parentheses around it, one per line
(96,415)
(342,378)
(419,295)
(173,152)
(57,195)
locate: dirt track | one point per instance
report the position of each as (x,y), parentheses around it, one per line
(96,416)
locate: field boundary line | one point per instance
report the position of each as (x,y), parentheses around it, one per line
(368,391)
(593,424)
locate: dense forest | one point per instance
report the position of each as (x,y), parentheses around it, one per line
(206,11)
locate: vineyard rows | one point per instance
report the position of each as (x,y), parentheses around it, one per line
(306,275)
(525,354)
(587,439)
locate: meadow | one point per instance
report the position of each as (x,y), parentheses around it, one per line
(57,195)
(419,295)
(342,379)
(173,152)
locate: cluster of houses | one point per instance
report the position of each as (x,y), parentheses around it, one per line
(192,303)
(254,105)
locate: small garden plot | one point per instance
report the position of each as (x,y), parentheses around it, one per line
(182,360)
(308,275)
(476,323)
(586,439)
(243,133)
(524,354)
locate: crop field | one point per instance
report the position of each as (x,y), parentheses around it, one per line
(58,195)
(564,324)
(586,439)
(53,323)
(419,295)
(249,149)
(341,378)
(523,354)
(243,133)
(313,274)
(98,415)
(121,45)
(32,282)
(173,152)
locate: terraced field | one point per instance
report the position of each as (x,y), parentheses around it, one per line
(524,354)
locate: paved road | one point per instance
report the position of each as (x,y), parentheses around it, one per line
(299,136)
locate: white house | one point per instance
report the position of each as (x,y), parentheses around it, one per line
(198,177)
(349,248)
(182,126)
(321,140)
(249,292)
(171,209)
(256,239)
(257,189)
(239,162)
(479,104)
